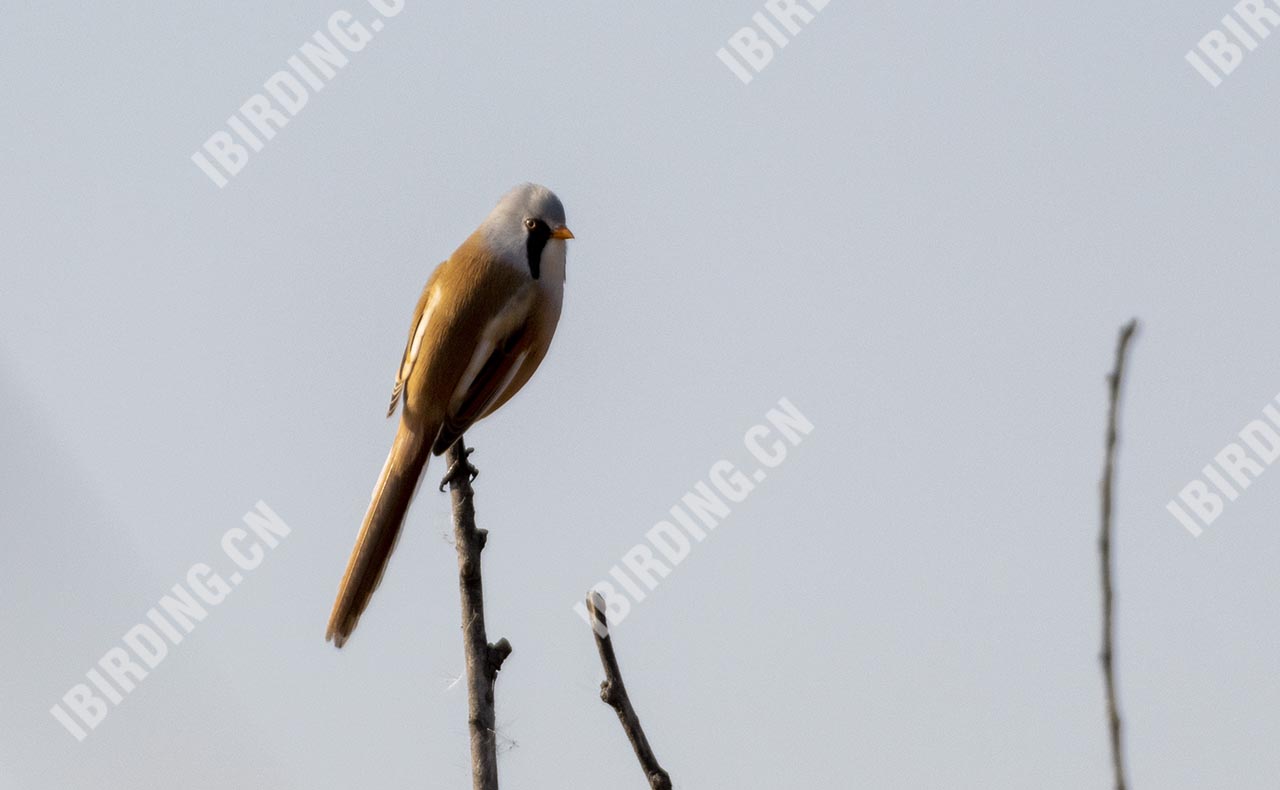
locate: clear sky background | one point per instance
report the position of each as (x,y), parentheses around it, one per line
(922,223)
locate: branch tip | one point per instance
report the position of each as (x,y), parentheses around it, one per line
(1107,488)
(613,692)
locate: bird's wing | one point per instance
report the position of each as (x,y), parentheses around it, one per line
(421,316)
(505,342)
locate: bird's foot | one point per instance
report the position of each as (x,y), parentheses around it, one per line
(460,470)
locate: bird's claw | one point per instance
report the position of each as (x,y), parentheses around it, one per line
(460,469)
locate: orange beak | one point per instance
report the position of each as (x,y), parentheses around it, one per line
(562,233)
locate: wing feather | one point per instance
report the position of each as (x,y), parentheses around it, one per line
(506,344)
(421,317)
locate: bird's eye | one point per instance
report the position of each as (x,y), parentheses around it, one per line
(531,223)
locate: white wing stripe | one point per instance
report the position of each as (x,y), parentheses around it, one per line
(481,355)
(512,314)
(419,332)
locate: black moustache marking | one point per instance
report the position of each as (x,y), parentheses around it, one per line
(539,235)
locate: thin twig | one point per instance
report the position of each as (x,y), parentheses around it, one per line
(614,693)
(1104,548)
(483,659)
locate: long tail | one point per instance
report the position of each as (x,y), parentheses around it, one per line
(378,534)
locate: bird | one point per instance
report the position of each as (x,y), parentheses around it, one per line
(483,324)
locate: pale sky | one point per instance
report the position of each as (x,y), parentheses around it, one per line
(922,224)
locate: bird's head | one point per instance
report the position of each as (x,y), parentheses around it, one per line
(527,222)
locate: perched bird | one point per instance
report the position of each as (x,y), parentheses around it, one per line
(482,326)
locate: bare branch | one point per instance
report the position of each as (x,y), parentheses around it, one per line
(483,659)
(614,693)
(1104,548)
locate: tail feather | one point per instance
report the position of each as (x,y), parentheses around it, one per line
(379,532)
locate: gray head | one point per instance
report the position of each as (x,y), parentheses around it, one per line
(527,220)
